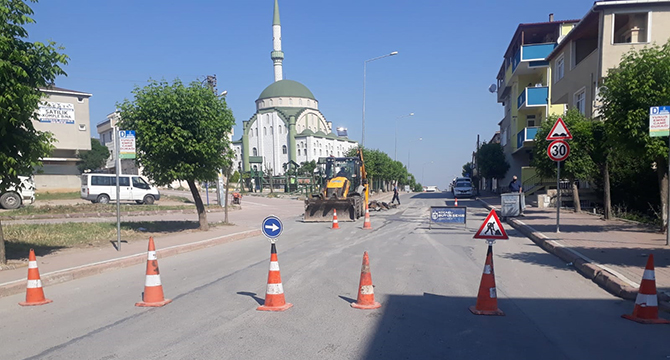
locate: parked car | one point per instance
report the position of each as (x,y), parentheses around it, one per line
(431,188)
(14,198)
(101,188)
(462,188)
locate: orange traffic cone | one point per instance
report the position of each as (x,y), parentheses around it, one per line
(274,295)
(487,299)
(336,225)
(646,303)
(366,291)
(153,289)
(455,201)
(366,224)
(34,291)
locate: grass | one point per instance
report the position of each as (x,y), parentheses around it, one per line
(88,208)
(58,196)
(46,238)
(174,198)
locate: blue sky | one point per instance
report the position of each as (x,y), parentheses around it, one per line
(449,54)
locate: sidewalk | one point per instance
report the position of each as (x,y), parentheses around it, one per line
(612,253)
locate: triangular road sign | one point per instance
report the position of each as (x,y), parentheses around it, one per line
(559,131)
(491,228)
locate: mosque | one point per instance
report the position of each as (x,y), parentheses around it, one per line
(287,125)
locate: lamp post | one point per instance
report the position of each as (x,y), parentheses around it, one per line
(365,70)
(409,152)
(396,133)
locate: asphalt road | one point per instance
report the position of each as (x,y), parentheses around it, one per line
(425,280)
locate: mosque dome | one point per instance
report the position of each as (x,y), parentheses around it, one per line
(286,88)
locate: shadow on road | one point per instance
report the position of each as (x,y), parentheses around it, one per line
(347,299)
(253,296)
(432,326)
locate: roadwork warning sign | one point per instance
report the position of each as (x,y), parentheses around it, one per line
(491,229)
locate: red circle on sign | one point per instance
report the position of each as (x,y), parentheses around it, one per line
(558,150)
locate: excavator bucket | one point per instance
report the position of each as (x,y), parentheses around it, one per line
(319,210)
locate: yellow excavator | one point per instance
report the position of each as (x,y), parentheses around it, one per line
(344,187)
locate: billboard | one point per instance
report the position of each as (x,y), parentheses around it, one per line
(51,112)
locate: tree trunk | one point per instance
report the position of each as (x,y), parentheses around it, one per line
(3,256)
(608,194)
(225,201)
(575,197)
(661,166)
(200,207)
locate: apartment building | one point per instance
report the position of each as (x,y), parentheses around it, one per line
(65,114)
(597,43)
(524,88)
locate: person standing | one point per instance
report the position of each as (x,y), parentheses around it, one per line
(515,187)
(395,194)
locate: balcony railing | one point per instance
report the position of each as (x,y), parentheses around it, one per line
(533,96)
(527,134)
(533,52)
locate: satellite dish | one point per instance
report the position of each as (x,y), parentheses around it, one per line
(493,88)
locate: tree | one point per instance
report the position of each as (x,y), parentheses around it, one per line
(640,82)
(467,169)
(492,162)
(24,68)
(95,158)
(580,164)
(182,134)
(307,167)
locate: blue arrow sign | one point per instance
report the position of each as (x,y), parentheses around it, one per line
(272,227)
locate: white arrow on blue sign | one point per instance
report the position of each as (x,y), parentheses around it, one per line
(272,227)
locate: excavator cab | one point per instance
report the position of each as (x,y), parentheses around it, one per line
(344,188)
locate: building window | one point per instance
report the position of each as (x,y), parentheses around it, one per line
(254,151)
(280,101)
(580,101)
(283,149)
(279,128)
(559,70)
(631,28)
(298,152)
(320,152)
(265,131)
(314,151)
(271,131)
(256,130)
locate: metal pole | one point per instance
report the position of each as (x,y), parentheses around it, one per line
(667,230)
(365,69)
(118,188)
(558,192)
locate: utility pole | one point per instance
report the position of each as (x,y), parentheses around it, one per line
(220,197)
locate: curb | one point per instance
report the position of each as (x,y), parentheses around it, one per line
(61,276)
(102,214)
(585,266)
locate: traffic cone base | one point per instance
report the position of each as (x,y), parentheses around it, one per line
(286,306)
(153,288)
(374,305)
(646,302)
(496,312)
(34,291)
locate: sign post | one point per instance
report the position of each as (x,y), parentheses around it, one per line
(558,151)
(125,149)
(659,125)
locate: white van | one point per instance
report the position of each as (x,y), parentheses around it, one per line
(13,198)
(101,188)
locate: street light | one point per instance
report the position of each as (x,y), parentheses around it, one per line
(422,170)
(396,133)
(365,70)
(409,151)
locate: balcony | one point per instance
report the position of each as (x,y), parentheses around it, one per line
(527,134)
(533,97)
(532,55)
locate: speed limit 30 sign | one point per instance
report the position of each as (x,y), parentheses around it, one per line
(558,150)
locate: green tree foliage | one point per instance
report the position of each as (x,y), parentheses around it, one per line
(235,177)
(24,67)
(381,167)
(580,164)
(467,169)
(492,162)
(182,134)
(307,167)
(640,82)
(95,158)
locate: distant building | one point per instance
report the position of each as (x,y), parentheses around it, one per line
(106,130)
(65,114)
(287,125)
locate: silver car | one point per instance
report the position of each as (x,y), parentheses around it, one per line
(462,188)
